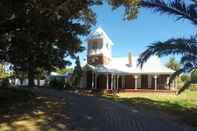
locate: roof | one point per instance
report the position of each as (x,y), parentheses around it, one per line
(100,33)
(120,66)
(153,65)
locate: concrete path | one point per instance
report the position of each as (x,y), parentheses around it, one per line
(89,113)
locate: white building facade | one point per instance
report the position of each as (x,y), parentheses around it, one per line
(101,71)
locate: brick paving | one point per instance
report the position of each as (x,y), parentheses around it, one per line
(91,113)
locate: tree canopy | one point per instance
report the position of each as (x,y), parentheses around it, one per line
(40,34)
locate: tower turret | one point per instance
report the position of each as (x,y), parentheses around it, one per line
(99,48)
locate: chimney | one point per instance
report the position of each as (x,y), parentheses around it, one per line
(129,59)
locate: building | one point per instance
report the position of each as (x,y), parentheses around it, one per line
(101,71)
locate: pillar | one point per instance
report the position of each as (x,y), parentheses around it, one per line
(136,83)
(115,82)
(167,82)
(155,77)
(92,80)
(107,82)
(112,81)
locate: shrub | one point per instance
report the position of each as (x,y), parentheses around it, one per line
(5,83)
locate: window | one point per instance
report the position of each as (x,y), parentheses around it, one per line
(94,46)
(107,45)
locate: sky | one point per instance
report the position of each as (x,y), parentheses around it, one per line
(133,36)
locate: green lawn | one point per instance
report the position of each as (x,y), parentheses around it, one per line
(182,107)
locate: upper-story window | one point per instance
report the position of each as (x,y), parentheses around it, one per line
(94,45)
(97,44)
(107,46)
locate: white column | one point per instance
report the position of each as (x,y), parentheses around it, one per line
(167,82)
(155,77)
(92,80)
(112,81)
(136,77)
(117,82)
(107,82)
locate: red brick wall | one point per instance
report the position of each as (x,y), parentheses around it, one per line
(98,59)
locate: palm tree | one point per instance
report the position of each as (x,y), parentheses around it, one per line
(186,47)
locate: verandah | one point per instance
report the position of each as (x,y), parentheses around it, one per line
(110,81)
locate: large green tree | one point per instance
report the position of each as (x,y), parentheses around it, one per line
(185,47)
(41,33)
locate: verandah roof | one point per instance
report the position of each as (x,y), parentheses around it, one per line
(101,69)
(105,69)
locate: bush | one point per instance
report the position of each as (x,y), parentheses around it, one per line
(57,84)
(5,83)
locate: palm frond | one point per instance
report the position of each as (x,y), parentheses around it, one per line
(171,46)
(189,58)
(178,8)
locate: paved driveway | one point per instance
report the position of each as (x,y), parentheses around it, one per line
(90,113)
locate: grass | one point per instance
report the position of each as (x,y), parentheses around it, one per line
(182,108)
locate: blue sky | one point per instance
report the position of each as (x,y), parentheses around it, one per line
(133,36)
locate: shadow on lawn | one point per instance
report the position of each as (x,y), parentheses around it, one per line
(182,114)
(22,110)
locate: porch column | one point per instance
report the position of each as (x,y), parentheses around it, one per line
(117,82)
(95,81)
(112,81)
(92,80)
(136,83)
(107,82)
(167,82)
(155,77)
(139,82)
